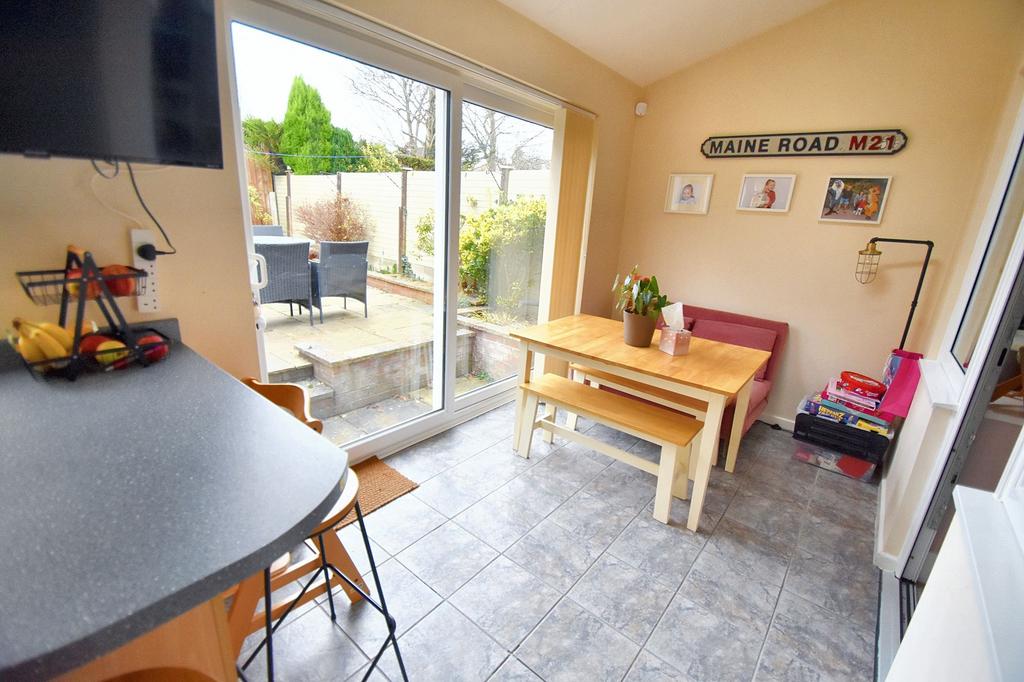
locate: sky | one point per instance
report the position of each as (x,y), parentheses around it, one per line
(266,65)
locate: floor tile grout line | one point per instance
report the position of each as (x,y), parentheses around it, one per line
(675,593)
(805,518)
(775,608)
(565,594)
(689,571)
(499,554)
(815,492)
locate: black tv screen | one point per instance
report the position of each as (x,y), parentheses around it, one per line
(111,79)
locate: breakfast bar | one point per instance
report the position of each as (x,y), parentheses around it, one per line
(133,498)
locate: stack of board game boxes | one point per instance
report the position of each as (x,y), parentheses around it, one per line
(845,428)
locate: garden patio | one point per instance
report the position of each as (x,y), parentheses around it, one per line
(367,373)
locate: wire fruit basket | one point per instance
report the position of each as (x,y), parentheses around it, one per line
(82,280)
(48,287)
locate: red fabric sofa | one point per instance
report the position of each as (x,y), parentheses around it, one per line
(742,330)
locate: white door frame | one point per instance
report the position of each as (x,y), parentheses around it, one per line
(335,30)
(944,376)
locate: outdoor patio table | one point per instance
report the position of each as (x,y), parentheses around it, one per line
(714,372)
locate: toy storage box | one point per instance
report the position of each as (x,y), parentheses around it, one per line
(847,465)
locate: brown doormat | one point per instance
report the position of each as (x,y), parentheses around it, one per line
(378,485)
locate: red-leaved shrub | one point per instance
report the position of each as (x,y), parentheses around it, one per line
(335,220)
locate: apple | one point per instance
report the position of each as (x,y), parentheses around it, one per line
(118,284)
(91,342)
(92,288)
(111,351)
(158,351)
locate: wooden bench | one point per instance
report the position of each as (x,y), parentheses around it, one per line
(676,433)
(675,401)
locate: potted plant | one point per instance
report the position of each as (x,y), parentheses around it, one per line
(641,304)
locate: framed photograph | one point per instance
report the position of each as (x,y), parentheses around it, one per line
(688,193)
(766,192)
(855,199)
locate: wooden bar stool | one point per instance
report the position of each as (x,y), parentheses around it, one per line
(331,564)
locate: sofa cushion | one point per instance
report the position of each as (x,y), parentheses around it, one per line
(738,335)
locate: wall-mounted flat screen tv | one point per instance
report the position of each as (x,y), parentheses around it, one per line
(134,80)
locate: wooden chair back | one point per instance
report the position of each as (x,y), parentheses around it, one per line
(291,397)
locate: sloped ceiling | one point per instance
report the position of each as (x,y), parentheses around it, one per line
(646,40)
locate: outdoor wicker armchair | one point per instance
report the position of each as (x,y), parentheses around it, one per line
(342,272)
(267,231)
(288,275)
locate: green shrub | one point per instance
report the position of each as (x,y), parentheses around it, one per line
(425,234)
(515,226)
(260,215)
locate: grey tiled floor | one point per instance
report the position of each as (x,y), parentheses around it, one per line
(499,568)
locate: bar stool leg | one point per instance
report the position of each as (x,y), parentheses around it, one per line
(392,625)
(382,607)
(327,574)
(269,624)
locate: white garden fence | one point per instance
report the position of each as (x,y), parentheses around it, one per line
(380,195)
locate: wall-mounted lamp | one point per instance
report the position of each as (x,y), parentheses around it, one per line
(867,268)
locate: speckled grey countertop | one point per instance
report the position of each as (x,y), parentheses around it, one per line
(128,498)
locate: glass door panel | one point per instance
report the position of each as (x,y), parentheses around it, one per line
(505,180)
(343,171)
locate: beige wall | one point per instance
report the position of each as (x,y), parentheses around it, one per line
(491,34)
(47,204)
(931,68)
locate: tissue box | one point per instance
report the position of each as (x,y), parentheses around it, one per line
(674,342)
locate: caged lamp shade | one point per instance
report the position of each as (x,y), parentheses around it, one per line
(867,269)
(867,263)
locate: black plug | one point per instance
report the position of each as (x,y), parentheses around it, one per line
(147,252)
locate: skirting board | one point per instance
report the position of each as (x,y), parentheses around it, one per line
(787,423)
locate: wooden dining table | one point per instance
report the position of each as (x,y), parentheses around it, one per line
(712,371)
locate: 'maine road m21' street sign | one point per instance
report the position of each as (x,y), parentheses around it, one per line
(834,143)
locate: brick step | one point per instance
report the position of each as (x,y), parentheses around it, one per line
(321,398)
(292,375)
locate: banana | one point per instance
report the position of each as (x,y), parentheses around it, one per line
(55,333)
(29,350)
(60,334)
(50,347)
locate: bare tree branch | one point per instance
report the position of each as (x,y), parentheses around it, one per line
(411,101)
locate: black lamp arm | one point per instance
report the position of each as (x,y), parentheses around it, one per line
(920,281)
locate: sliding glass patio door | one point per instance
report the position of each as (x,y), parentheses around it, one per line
(419,203)
(505,183)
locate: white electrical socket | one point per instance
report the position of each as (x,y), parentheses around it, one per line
(150,301)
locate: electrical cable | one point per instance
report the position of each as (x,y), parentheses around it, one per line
(98,198)
(142,202)
(115,163)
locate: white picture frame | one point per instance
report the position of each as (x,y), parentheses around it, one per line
(689,193)
(861,199)
(766,192)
